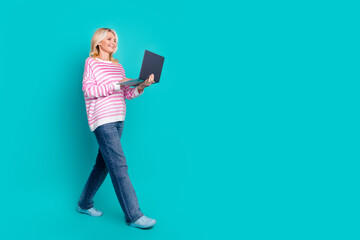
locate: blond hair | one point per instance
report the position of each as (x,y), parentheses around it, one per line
(98,36)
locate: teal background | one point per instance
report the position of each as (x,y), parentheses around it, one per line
(253,132)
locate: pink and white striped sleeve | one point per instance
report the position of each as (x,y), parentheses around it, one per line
(90,87)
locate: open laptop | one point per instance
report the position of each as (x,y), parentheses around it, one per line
(152,63)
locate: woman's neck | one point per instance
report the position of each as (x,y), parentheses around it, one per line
(104,56)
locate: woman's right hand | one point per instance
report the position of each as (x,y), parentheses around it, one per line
(124,80)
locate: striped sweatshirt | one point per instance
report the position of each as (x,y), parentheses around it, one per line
(104,100)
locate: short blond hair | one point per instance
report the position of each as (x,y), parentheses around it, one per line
(98,36)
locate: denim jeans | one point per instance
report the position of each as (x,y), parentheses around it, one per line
(111,159)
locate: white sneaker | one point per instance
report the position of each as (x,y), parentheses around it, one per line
(143,222)
(91,211)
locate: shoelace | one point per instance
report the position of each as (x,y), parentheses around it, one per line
(145,220)
(93,210)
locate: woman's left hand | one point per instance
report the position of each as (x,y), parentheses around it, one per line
(147,83)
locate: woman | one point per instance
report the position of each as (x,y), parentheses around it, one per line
(105,108)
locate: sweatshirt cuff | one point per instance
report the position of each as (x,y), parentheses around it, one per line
(116,86)
(137,92)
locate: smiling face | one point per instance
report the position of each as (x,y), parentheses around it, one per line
(109,43)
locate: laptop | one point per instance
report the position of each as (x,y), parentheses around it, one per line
(152,63)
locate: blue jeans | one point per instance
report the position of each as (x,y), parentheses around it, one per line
(111,159)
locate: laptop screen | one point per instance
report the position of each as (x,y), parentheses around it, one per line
(152,63)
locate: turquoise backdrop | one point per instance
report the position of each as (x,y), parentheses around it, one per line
(252,133)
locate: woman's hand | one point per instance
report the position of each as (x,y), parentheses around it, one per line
(124,80)
(147,83)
